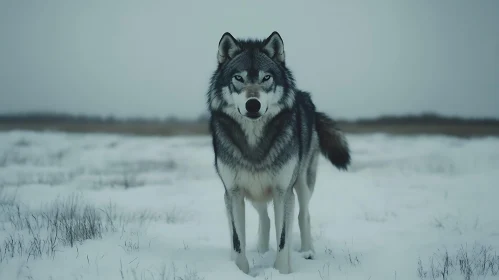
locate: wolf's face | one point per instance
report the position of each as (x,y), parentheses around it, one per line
(251,80)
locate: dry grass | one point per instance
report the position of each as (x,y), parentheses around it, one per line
(201,128)
(425,123)
(459,130)
(157,129)
(477,262)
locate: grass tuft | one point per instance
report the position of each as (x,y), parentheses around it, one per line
(65,222)
(36,234)
(479,262)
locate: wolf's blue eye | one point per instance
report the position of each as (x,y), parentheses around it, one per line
(238,78)
(266,78)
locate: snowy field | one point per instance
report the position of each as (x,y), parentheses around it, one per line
(82,206)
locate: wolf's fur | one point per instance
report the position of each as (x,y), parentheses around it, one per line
(267,136)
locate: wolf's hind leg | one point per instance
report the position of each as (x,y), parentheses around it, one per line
(264,226)
(304,189)
(303,193)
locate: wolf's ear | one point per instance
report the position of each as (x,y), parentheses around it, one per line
(274,46)
(227,47)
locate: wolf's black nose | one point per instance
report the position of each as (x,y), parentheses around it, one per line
(253,105)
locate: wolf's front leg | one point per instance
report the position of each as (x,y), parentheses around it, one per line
(284,201)
(234,202)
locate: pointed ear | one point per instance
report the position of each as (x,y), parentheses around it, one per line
(274,46)
(227,48)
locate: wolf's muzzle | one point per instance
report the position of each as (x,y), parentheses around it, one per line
(253,105)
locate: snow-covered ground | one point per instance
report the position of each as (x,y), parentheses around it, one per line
(87,206)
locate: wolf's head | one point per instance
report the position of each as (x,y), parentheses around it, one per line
(251,80)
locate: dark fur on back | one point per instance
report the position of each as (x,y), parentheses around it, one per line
(331,141)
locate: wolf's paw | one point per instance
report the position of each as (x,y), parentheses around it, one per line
(283,268)
(262,248)
(283,262)
(242,263)
(308,255)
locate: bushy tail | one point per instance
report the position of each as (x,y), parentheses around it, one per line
(332,142)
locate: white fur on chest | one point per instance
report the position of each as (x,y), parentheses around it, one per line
(253,129)
(257,185)
(252,132)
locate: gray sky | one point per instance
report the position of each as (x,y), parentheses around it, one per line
(154,58)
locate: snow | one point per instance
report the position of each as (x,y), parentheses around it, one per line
(404,200)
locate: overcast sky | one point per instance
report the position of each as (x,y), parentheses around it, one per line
(154,58)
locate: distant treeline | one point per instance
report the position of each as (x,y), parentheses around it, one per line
(44,118)
(63,118)
(422,119)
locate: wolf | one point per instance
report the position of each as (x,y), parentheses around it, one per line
(267,137)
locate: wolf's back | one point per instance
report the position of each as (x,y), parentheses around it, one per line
(332,142)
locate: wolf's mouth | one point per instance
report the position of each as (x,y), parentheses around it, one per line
(253,115)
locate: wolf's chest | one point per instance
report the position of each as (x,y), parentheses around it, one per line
(258,185)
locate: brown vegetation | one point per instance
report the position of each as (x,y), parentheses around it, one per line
(401,125)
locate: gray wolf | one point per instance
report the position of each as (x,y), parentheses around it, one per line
(267,137)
